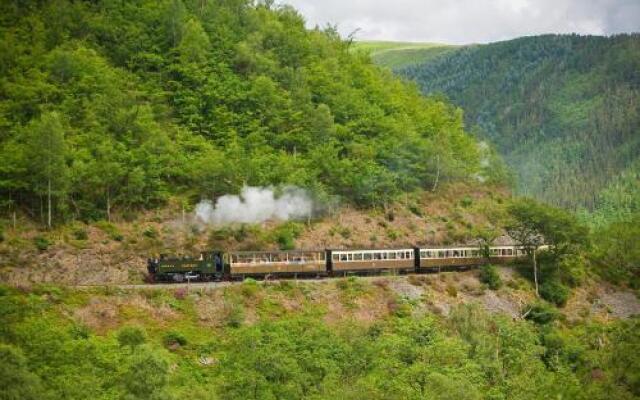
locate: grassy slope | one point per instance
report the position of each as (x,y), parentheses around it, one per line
(400,54)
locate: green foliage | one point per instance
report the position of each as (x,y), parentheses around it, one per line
(131,336)
(616,252)
(17,382)
(41,243)
(108,108)
(490,276)
(560,109)
(468,354)
(466,201)
(535,223)
(146,376)
(150,232)
(80,234)
(173,338)
(554,292)
(541,313)
(111,230)
(286,234)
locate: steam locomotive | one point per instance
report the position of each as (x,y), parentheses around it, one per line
(220,265)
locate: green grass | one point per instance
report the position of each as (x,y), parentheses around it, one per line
(400,54)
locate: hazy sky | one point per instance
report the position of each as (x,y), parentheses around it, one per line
(470,21)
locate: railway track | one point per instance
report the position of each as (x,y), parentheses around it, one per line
(215,285)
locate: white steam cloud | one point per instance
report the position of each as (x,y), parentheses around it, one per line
(256,204)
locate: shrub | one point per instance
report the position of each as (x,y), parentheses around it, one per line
(110,230)
(541,313)
(286,234)
(1,233)
(249,287)
(131,336)
(466,201)
(555,292)
(80,234)
(241,233)
(220,234)
(41,243)
(150,232)
(415,209)
(452,291)
(489,275)
(173,338)
(235,316)
(391,216)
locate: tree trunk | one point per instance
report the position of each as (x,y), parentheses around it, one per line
(41,210)
(108,205)
(49,203)
(535,271)
(14,220)
(435,184)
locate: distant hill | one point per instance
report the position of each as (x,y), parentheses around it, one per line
(564,110)
(402,54)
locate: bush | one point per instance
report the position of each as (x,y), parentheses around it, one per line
(286,234)
(555,292)
(415,209)
(489,275)
(542,313)
(1,233)
(249,287)
(466,201)
(234,316)
(150,232)
(451,291)
(80,234)
(41,243)
(173,338)
(131,336)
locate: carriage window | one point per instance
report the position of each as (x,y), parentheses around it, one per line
(441,254)
(357,257)
(367,256)
(336,257)
(392,256)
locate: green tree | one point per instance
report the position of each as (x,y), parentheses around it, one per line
(131,336)
(146,376)
(45,155)
(16,381)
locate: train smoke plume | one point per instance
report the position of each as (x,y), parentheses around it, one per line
(256,204)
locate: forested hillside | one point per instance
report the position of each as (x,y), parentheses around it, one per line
(564,111)
(112,106)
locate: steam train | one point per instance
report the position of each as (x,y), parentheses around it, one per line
(220,265)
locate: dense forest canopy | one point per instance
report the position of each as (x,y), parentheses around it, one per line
(564,111)
(114,105)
